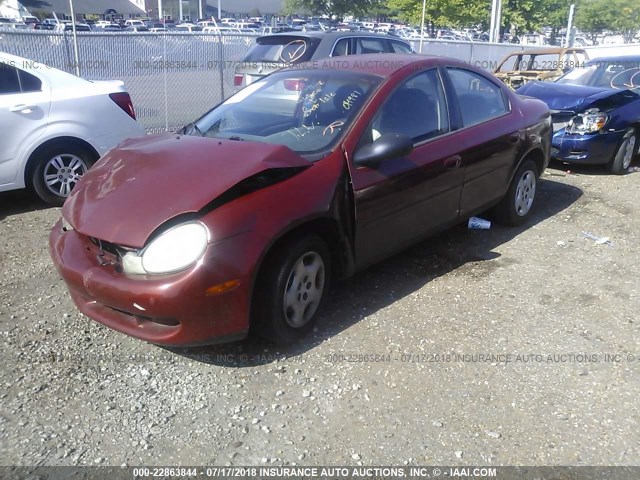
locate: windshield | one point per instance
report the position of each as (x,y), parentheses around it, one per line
(305,110)
(609,74)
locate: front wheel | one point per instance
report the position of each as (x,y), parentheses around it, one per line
(515,207)
(58,168)
(291,289)
(622,159)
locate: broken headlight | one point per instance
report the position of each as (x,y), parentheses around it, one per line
(590,121)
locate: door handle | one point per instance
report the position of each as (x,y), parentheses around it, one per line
(453,162)
(24,108)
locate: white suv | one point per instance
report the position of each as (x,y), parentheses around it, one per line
(56,125)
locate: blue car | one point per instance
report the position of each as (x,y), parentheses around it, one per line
(596,112)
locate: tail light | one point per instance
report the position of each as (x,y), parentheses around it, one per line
(123,100)
(293,85)
(237,80)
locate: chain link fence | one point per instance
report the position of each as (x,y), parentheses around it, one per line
(173,78)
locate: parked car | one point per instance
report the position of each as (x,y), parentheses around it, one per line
(520,67)
(188,28)
(225,34)
(43,26)
(275,51)
(136,28)
(596,112)
(134,23)
(244,218)
(56,125)
(14,26)
(68,27)
(29,19)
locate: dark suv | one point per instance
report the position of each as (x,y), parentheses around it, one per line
(272,52)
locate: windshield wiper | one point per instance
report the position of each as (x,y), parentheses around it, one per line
(236,139)
(190,128)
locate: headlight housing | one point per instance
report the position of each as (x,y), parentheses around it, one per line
(172,251)
(590,121)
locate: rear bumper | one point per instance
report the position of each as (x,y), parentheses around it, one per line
(592,149)
(164,309)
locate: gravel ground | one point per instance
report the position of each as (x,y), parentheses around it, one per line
(76,393)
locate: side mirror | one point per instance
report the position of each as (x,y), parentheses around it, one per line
(389,145)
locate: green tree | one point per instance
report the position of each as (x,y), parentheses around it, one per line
(626,21)
(594,16)
(340,8)
(451,13)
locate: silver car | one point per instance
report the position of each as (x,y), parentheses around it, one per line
(283,49)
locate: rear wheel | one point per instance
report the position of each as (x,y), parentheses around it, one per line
(291,290)
(58,168)
(516,206)
(622,159)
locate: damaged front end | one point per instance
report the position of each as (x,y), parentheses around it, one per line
(589,130)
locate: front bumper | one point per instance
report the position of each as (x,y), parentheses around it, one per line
(590,149)
(162,309)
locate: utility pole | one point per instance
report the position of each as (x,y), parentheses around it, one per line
(496,19)
(75,39)
(424,10)
(568,38)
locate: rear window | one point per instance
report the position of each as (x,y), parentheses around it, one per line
(282,49)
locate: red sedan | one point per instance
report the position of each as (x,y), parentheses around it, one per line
(244,217)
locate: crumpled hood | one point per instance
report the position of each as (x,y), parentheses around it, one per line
(561,96)
(144,182)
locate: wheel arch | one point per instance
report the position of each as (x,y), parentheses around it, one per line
(325,227)
(31,162)
(537,155)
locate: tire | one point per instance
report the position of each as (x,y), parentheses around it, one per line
(624,154)
(58,168)
(516,206)
(291,290)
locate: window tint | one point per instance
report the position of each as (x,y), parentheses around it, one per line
(370,45)
(341,48)
(479,98)
(417,109)
(400,47)
(28,82)
(9,82)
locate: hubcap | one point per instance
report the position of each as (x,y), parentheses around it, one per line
(62,172)
(525,193)
(628,151)
(304,289)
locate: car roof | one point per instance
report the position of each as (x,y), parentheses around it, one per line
(547,51)
(618,58)
(330,35)
(379,64)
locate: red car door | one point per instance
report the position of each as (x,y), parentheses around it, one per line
(490,137)
(403,199)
